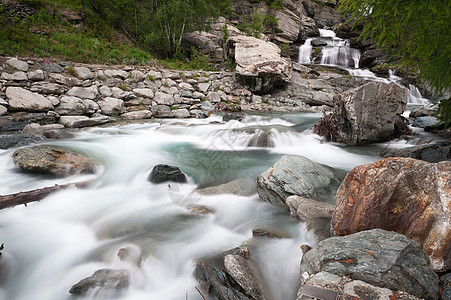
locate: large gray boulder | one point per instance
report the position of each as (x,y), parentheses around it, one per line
(297,175)
(205,42)
(24,100)
(52,160)
(258,63)
(366,114)
(84,92)
(378,257)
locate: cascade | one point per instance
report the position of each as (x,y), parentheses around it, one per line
(337,52)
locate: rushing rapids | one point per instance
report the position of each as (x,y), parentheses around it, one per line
(52,244)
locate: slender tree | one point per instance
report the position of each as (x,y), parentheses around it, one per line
(416,30)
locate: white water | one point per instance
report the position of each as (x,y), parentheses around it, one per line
(338,53)
(305,52)
(52,244)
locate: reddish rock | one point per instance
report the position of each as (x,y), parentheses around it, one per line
(409,196)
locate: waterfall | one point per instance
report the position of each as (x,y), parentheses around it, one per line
(415,96)
(305,52)
(338,51)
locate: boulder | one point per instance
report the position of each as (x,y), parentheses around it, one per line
(366,114)
(91,106)
(377,257)
(297,175)
(17,64)
(245,274)
(24,100)
(203,42)
(434,152)
(72,106)
(258,63)
(52,160)
(405,195)
(240,186)
(16,76)
(116,74)
(3,110)
(289,24)
(52,67)
(103,282)
(136,115)
(217,283)
(68,81)
(165,173)
(110,106)
(425,121)
(315,214)
(137,75)
(83,92)
(35,128)
(445,280)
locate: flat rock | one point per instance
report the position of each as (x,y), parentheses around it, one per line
(161,111)
(181,113)
(48,88)
(163,98)
(84,92)
(145,93)
(16,76)
(439,151)
(377,257)
(409,196)
(24,100)
(84,73)
(52,160)
(3,110)
(240,186)
(136,115)
(82,121)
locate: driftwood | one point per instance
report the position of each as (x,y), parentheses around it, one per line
(36,195)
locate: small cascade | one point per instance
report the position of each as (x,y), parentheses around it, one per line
(305,52)
(338,51)
(415,96)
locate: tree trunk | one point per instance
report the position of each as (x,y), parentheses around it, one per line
(36,195)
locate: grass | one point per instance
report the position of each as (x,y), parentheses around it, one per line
(50,36)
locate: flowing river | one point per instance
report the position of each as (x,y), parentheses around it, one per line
(52,244)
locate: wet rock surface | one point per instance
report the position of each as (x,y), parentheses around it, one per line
(166,173)
(377,257)
(405,195)
(104,282)
(52,160)
(297,175)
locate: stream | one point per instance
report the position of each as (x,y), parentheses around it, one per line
(52,244)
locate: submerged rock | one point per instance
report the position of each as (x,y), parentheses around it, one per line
(405,195)
(105,282)
(52,160)
(297,175)
(165,173)
(239,186)
(378,257)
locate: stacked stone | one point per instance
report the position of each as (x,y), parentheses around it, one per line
(79,96)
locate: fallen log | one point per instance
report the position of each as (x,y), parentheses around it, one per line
(37,194)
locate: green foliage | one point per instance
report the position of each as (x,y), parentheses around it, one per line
(418,31)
